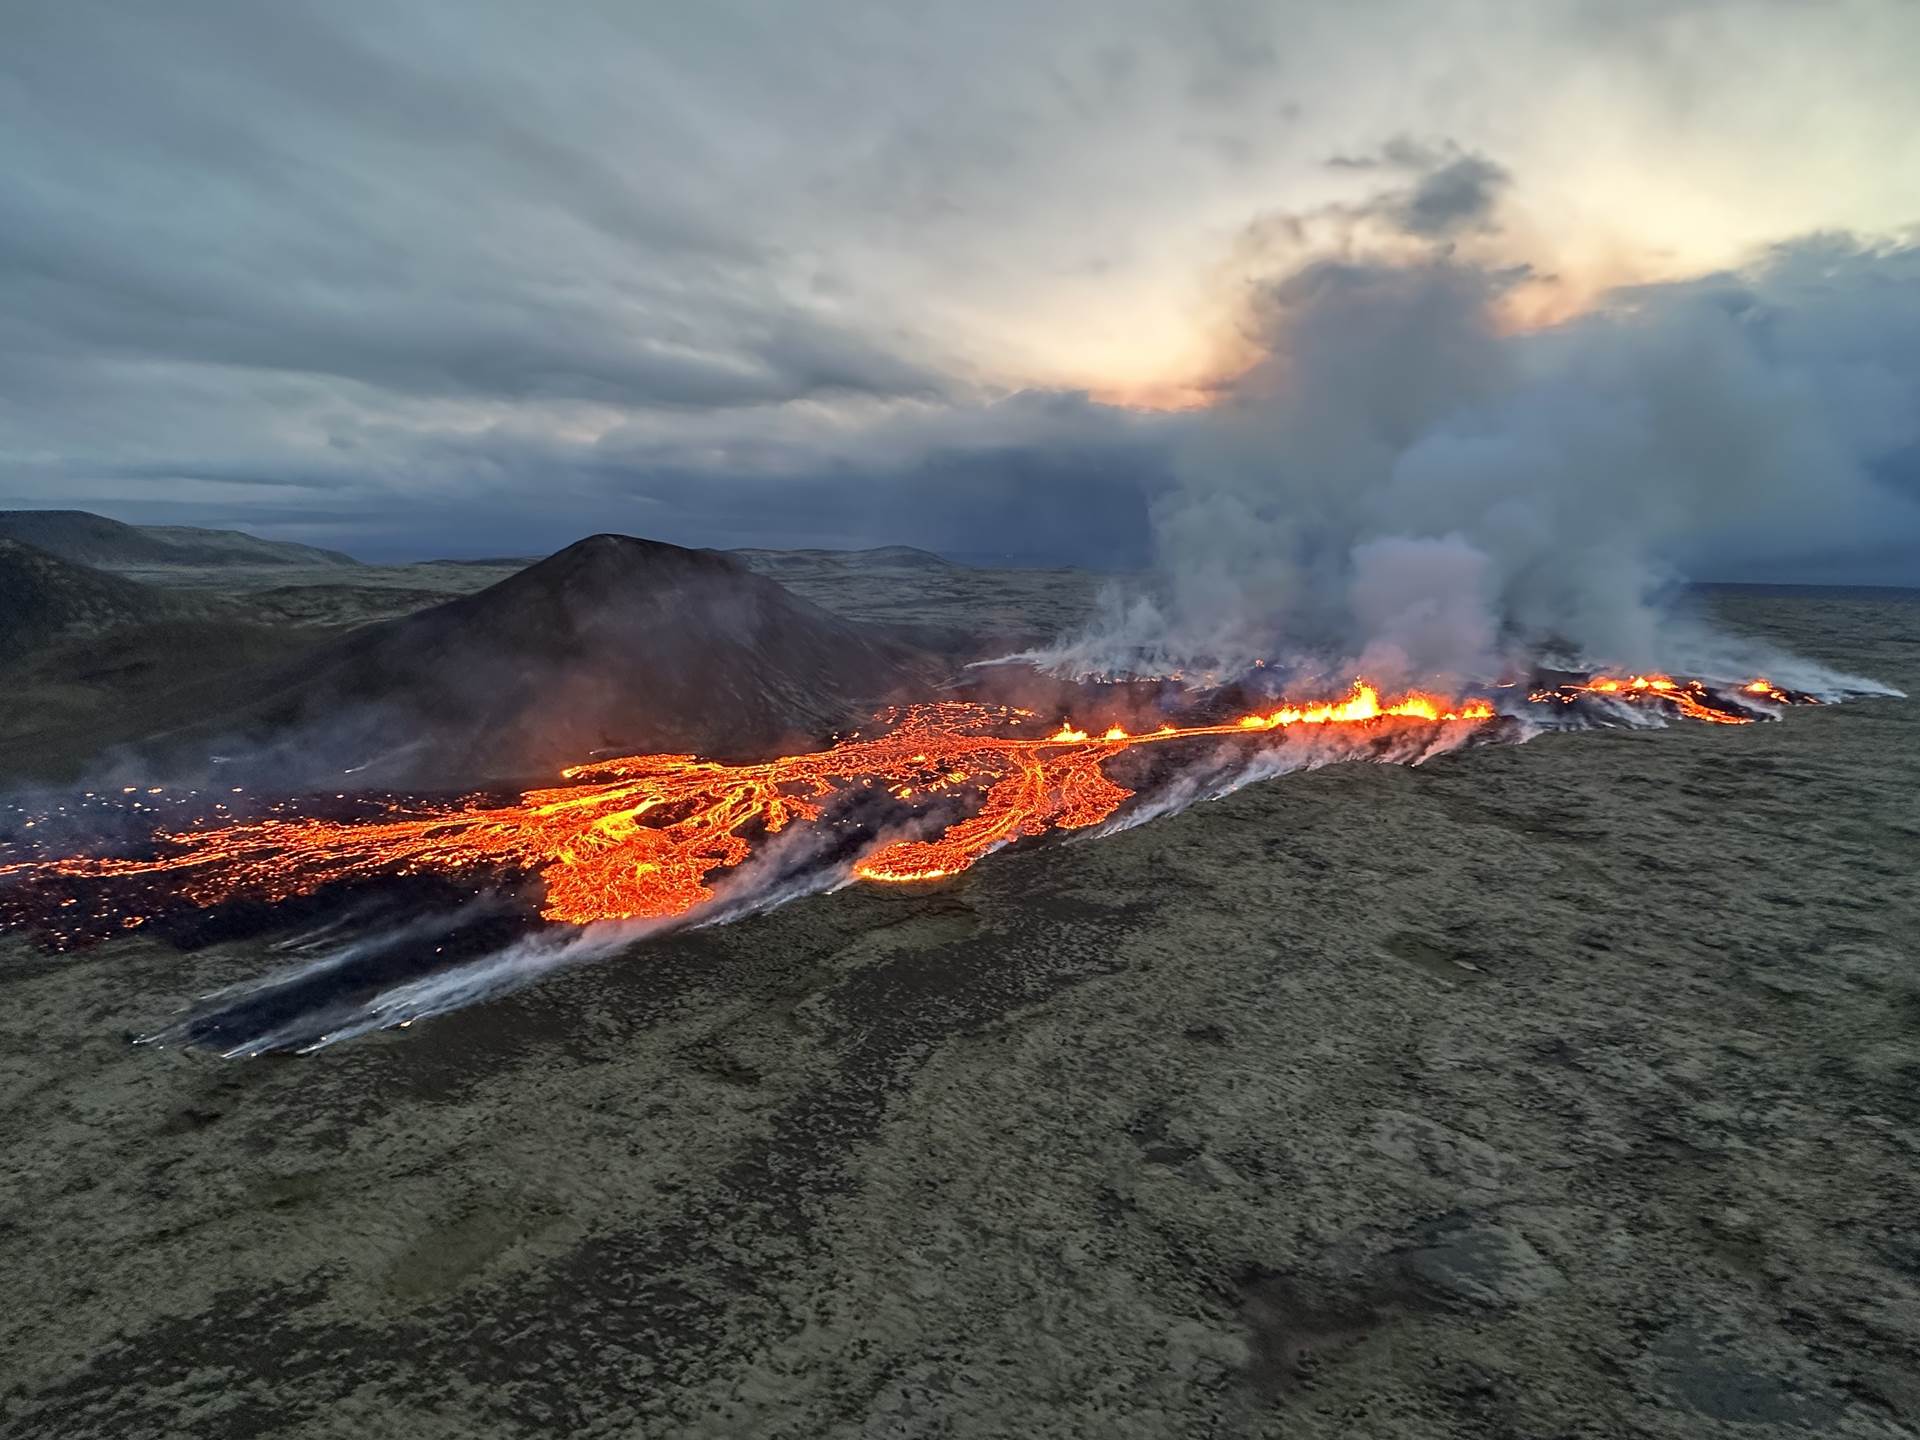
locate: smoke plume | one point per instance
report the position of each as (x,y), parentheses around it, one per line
(1402,487)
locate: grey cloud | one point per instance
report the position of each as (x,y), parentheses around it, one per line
(1451,191)
(1744,426)
(1460,195)
(1038,477)
(1402,152)
(1402,487)
(482,277)
(275,190)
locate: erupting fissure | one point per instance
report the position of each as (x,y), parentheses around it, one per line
(641,836)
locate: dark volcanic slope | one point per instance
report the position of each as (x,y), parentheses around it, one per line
(44,598)
(89,539)
(612,643)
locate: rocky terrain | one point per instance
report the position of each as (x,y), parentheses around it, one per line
(1570,1089)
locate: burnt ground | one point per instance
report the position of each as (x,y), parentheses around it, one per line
(1564,1090)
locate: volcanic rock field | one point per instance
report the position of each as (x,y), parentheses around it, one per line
(1562,1089)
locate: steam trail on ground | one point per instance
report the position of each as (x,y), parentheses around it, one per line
(269,1015)
(371,975)
(1399,489)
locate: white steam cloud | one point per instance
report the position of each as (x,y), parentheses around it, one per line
(1400,489)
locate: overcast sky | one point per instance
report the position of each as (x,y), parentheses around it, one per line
(471,278)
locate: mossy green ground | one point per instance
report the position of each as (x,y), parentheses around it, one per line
(1566,1089)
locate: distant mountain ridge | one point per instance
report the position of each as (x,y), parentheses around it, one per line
(892,557)
(84,538)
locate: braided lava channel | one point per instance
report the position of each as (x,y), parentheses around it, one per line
(937,788)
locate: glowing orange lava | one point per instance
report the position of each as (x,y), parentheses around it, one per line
(1689,697)
(641,836)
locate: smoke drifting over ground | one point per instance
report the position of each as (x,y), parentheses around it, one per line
(1490,523)
(425,905)
(1399,487)
(393,975)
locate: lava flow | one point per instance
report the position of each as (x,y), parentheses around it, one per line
(1690,698)
(641,836)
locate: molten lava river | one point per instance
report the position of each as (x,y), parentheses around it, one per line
(937,787)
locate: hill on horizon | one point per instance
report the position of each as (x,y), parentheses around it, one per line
(85,538)
(45,598)
(614,643)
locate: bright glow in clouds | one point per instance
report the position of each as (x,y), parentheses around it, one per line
(738,273)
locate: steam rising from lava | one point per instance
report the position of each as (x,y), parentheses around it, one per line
(635,845)
(638,838)
(1398,489)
